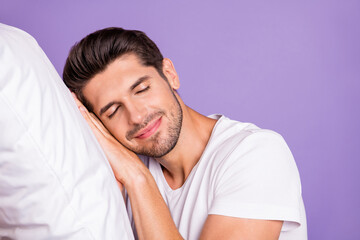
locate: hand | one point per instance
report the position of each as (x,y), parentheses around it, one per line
(123,161)
(151,215)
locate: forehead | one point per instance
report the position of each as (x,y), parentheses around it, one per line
(116,79)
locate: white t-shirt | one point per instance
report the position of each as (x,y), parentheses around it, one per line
(244,172)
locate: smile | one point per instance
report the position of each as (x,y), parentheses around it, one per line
(149,130)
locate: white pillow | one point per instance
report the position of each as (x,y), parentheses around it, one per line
(55,182)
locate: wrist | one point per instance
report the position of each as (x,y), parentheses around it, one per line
(139,181)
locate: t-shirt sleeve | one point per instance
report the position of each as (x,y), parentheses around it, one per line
(259,180)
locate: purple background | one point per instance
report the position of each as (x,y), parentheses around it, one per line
(293,67)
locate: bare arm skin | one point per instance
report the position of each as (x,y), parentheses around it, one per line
(151,214)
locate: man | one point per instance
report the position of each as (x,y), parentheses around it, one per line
(186,175)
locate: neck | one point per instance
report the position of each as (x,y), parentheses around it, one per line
(194,136)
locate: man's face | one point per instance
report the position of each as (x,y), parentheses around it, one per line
(137,106)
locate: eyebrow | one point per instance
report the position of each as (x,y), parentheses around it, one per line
(132,87)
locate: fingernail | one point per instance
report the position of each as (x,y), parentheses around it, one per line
(82,108)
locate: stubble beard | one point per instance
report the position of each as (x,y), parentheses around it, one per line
(159,146)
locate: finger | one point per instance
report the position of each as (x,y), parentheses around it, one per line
(81,107)
(99,125)
(74,95)
(95,124)
(86,116)
(78,102)
(83,110)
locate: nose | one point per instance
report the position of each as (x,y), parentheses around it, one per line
(136,113)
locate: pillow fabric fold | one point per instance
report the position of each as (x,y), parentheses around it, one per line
(55,182)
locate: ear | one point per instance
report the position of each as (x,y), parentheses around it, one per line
(170,73)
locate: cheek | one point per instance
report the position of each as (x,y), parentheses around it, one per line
(163,99)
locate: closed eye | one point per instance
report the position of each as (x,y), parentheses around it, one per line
(143,90)
(113,113)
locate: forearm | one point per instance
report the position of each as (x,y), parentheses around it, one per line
(151,215)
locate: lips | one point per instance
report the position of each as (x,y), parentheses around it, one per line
(149,130)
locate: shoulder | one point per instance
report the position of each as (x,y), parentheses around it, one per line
(254,174)
(243,150)
(232,137)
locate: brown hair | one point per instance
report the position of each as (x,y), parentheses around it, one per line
(97,50)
